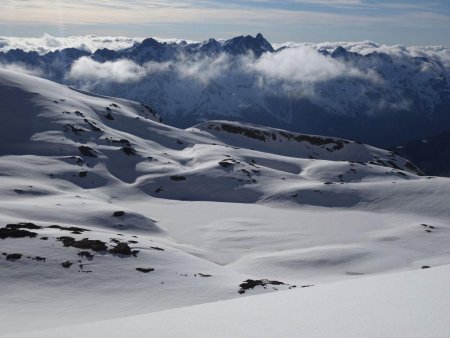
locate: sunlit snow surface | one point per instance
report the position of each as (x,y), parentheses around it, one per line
(408,304)
(208,208)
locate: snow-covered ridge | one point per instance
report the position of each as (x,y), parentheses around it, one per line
(106,212)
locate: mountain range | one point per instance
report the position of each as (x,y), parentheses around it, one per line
(378,94)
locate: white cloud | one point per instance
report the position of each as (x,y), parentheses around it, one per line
(21,68)
(293,71)
(303,64)
(120,71)
(48,43)
(203,69)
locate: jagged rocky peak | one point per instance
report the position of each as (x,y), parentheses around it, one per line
(341,52)
(243,44)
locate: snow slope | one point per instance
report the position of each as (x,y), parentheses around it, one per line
(408,304)
(105,212)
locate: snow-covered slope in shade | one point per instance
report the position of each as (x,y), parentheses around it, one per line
(408,304)
(105,212)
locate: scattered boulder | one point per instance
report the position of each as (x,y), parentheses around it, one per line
(121,248)
(145,270)
(66,264)
(16,233)
(87,151)
(204,275)
(226,164)
(118,213)
(250,284)
(92,125)
(85,243)
(130,151)
(13,257)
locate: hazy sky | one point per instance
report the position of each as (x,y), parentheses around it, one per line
(414,22)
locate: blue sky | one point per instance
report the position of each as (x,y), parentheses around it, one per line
(415,22)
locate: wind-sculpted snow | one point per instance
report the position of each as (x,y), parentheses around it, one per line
(106,212)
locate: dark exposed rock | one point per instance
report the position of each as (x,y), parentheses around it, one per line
(226,164)
(156,248)
(74,129)
(121,141)
(28,225)
(87,151)
(74,230)
(16,233)
(177,178)
(250,284)
(145,270)
(92,125)
(66,264)
(130,151)
(13,257)
(86,254)
(204,275)
(85,243)
(121,248)
(82,173)
(119,213)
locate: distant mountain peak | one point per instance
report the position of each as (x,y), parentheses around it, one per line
(243,44)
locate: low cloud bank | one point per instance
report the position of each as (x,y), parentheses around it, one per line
(301,66)
(48,43)
(21,68)
(120,71)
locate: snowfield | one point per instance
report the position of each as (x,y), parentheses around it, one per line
(108,217)
(409,304)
